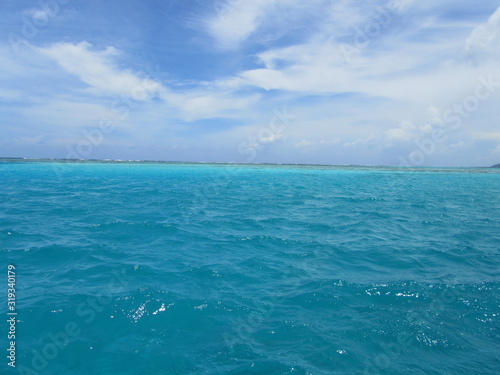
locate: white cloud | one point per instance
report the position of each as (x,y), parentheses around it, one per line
(99,70)
(496,151)
(311,67)
(307,144)
(272,138)
(361,141)
(405,131)
(199,104)
(404,67)
(484,40)
(236,20)
(303,143)
(321,67)
(40,16)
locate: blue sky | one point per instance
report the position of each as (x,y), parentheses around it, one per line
(400,82)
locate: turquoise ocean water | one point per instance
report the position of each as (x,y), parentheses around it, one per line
(130,268)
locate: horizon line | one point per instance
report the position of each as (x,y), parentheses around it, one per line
(139,161)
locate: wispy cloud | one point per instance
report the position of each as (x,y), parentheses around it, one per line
(235,20)
(99,70)
(484,40)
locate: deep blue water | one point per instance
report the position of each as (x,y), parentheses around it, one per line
(217,269)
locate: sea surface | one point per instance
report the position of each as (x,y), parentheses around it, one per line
(171,268)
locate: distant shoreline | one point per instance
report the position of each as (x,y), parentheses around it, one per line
(122,161)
